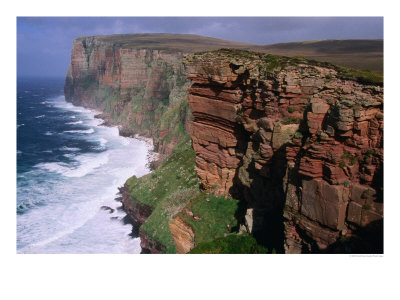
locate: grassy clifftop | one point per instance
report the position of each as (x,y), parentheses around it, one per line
(364,54)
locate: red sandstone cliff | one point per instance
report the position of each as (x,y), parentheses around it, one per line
(300,142)
(133,87)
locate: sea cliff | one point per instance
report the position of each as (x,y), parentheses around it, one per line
(275,154)
(299,142)
(143,91)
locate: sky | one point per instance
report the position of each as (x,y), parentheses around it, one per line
(44,43)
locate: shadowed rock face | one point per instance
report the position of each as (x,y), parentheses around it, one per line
(298,144)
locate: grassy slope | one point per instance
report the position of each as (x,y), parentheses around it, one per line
(361,54)
(231,244)
(166,190)
(173,189)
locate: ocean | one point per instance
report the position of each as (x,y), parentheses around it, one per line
(69,168)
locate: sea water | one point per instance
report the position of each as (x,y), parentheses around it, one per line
(69,168)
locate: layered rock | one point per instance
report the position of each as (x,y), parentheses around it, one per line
(300,142)
(182,234)
(133,87)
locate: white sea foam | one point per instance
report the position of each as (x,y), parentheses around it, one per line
(19,125)
(65,148)
(73,123)
(48,133)
(41,116)
(88,131)
(124,141)
(103,141)
(87,163)
(54,167)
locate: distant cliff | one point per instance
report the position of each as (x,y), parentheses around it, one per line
(142,90)
(299,142)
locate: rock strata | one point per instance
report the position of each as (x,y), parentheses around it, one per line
(134,88)
(299,142)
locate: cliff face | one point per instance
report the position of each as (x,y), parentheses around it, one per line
(142,90)
(300,143)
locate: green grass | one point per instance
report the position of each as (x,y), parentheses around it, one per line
(291,120)
(231,244)
(173,189)
(212,216)
(167,190)
(176,172)
(361,76)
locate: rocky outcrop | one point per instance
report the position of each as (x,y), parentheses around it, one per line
(299,142)
(182,234)
(138,214)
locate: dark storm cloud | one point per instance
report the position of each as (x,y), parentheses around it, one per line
(44,44)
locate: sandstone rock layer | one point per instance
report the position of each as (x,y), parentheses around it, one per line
(300,142)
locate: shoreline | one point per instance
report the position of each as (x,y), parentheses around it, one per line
(152,157)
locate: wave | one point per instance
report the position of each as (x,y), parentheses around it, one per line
(41,116)
(19,125)
(48,133)
(103,142)
(65,148)
(91,130)
(87,163)
(73,123)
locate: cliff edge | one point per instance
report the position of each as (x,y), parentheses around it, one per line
(299,142)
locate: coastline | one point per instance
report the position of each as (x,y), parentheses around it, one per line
(153,159)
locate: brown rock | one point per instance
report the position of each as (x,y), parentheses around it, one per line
(182,234)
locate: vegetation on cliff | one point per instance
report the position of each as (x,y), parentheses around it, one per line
(231,244)
(268,63)
(166,190)
(173,190)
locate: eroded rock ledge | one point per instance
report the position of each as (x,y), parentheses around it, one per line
(299,142)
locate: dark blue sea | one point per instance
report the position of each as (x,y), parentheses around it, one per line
(68,167)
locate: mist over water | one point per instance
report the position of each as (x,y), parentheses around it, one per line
(68,167)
